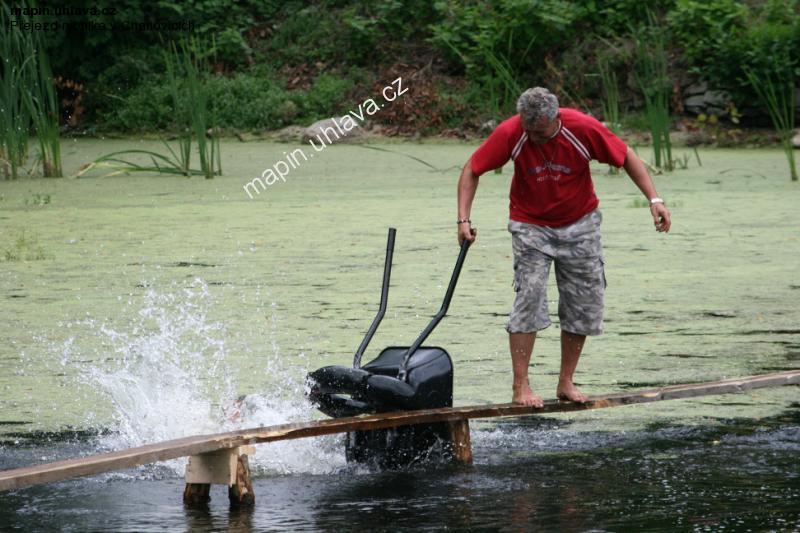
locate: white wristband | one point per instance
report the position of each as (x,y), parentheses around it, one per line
(656,201)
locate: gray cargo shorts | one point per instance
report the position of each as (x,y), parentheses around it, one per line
(578,254)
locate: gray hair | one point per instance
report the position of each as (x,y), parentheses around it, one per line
(535,104)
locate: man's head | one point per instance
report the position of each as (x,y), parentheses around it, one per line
(538,109)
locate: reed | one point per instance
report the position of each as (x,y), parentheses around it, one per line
(27,99)
(14,117)
(650,72)
(194,119)
(611,115)
(776,92)
(42,104)
(431,166)
(608,79)
(500,82)
(505,88)
(186,69)
(174,79)
(159,163)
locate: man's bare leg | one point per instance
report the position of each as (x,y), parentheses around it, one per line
(521,345)
(571,348)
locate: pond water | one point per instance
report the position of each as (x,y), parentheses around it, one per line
(136,308)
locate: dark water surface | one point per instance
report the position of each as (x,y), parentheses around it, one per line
(528,474)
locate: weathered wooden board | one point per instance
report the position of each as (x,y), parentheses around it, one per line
(162,451)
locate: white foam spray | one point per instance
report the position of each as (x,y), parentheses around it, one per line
(170,378)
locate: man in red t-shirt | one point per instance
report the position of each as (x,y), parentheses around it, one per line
(553,219)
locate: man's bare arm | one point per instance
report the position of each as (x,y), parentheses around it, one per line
(639,175)
(467,185)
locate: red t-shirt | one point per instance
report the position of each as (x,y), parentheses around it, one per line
(552,185)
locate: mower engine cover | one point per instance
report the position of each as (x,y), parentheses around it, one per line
(340,391)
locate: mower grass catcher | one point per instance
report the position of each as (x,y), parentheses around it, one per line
(401,378)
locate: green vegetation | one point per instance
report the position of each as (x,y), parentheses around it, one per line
(193,115)
(27,99)
(186,68)
(652,78)
(38,199)
(611,113)
(719,39)
(159,163)
(262,66)
(25,247)
(776,91)
(13,114)
(40,99)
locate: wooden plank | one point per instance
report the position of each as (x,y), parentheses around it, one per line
(162,451)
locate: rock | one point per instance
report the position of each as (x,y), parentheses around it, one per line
(696,88)
(796,139)
(334,130)
(711,102)
(289,134)
(245,137)
(717,98)
(698,138)
(488,126)
(695,104)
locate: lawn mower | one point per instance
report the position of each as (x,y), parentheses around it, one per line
(400,378)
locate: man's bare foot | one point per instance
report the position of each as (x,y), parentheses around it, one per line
(523,395)
(570,393)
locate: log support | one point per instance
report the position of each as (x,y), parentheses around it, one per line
(196,495)
(222,467)
(462,446)
(241,492)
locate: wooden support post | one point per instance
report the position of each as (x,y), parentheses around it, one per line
(196,495)
(241,492)
(222,467)
(459,436)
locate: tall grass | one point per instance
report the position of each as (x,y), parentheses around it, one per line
(186,69)
(43,107)
(193,115)
(14,117)
(650,72)
(27,99)
(777,94)
(611,115)
(159,163)
(499,77)
(175,82)
(608,78)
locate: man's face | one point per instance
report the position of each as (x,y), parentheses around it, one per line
(543,130)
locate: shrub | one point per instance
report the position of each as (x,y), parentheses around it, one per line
(146,107)
(248,102)
(722,37)
(115,83)
(503,44)
(326,97)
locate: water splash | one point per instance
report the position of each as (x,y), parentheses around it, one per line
(170,377)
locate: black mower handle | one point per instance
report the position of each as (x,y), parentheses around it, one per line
(387,272)
(442,312)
